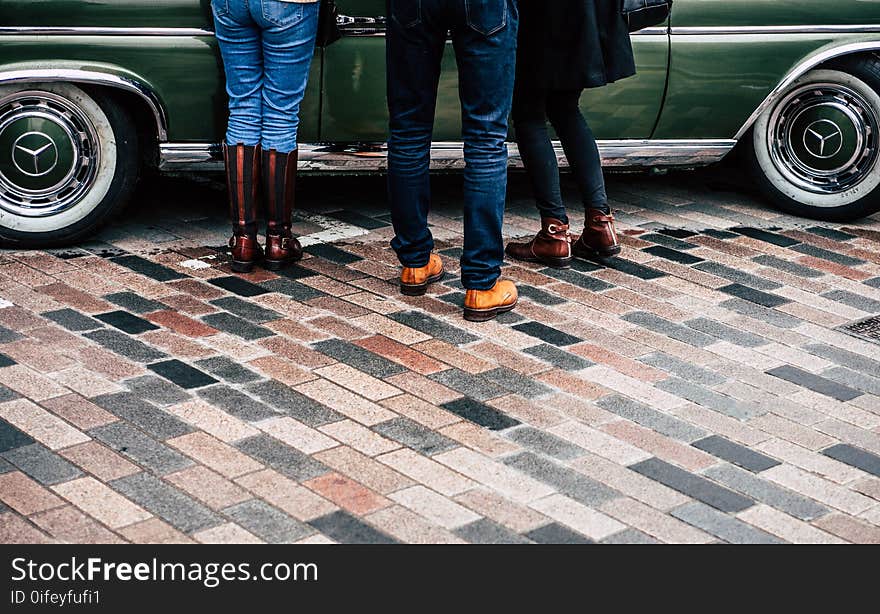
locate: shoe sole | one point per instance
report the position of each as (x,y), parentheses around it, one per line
(420,289)
(484,315)
(554,263)
(277,265)
(243,267)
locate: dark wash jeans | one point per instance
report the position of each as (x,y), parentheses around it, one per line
(484,36)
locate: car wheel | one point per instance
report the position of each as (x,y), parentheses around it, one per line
(816,152)
(68,162)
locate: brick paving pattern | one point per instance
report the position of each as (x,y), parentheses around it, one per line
(699,389)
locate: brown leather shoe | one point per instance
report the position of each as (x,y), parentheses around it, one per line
(551,246)
(279,191)
(243,180)
(483,305)
(599,239)
(414,281)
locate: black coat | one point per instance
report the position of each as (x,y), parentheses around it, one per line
(572,44)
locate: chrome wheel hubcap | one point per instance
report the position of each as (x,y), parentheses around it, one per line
(49,154)
(824,138)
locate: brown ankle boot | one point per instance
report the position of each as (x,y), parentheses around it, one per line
(243,180)
(483,305)
(551,246)
(599,239)
(414,281)
(279,183)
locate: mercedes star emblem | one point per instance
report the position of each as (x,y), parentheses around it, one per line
(823,139)
(39,158)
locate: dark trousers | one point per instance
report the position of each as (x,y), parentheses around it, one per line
(484,34)
(531,110)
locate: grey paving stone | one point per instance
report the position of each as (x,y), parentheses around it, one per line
(517,382)
(42,464)
(722,525)
(359,358)
(578,279)
(268,523)
(670,329)
(814,382)
(555,533)
(558,358)
(143,414)
(771,316)
(767,492)
(122,344)
(6,361)
(547,334)
(12,437)
(852,379)
(856,301)
(845,358)
(8,336)
(667,241)
(237,403)
(874,282)
(288,401)
(727,333)
(684,370)
(244,309)
(540,296)
(480,413)
(227,369)
(824,254)
(281,457)
(735,453)
(651,418)
(469,384)
(239,327)
(741,410)
(416,436)
(7,394)
(787,266)
(344,528)
(434,327)
(545,443)
(141,448)
(856,457)
(567,481)
(134,302)
(629,536)
(172,505)
(296,290)
(692,485)
(73,320)
(156,390)
(485,531)
(754,295)
(738,276)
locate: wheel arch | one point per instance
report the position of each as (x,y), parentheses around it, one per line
(821,58)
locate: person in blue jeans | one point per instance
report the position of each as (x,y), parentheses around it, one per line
(267,48)
(484,36)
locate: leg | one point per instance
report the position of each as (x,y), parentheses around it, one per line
(485,45)
(289,32)
(415,42)
(537,151)
(580,147)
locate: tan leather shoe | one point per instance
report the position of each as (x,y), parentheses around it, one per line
(483,305)
(551,246)
(414,281)
(599,239)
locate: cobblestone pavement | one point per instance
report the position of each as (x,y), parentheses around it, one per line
(699,390)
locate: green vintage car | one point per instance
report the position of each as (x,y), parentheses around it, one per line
(94,93)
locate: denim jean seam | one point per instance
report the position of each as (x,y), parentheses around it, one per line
(298,18)
(479,30)
(414,22)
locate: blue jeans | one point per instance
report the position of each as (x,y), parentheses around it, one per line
(484,38)
(267,48)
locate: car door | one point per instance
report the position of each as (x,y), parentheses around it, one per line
(354,108)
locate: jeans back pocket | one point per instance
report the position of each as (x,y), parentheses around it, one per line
(220,7)
(487,16)
(283,14)
(407,13)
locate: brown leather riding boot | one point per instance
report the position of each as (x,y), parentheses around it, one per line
(551,246)
(243,180)
(599,240)
(279,185)
(414,281)
(483,305)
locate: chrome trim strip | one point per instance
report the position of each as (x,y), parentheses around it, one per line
(101,31)
(54,75)
(814,29)
(372,157)
(797,72)
(376,27)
